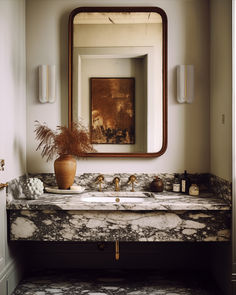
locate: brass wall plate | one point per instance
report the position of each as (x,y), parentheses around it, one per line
(2,185)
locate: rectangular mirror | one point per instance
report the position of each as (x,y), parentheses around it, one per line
(118,78)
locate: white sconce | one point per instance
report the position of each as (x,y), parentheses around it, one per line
(47,83)
(185,83)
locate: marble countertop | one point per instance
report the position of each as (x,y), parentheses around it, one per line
(165,201)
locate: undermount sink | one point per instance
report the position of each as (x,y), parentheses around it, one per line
(121,194)
(116,197)
(113,199)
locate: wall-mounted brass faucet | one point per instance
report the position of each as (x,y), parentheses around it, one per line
(100,180)
(116,181)
(132,180)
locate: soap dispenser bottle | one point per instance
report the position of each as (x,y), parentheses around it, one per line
(176,184)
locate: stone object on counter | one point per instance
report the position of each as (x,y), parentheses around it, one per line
(157,185)
(33,188)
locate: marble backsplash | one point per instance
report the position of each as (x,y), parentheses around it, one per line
(221,187)
(205,181)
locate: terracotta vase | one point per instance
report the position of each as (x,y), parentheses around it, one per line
(65,169)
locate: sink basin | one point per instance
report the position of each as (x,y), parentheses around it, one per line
(113,199)
(120,194)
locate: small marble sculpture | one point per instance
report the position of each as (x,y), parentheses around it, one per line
(33,188)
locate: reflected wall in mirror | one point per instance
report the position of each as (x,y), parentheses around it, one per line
(111,46)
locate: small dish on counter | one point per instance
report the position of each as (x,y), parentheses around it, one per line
(73,190)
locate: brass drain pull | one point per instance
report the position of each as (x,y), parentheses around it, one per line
(117,250)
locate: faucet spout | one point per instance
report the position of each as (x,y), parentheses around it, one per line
(132,180)
(116,181)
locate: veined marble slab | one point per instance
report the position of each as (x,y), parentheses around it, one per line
(207,182)
(49,225)
(163,216)
(115,282)
(221,187)
(166,201)
(88,180)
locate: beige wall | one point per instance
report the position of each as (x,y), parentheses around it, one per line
(221,88)
(188,127)
(12,88)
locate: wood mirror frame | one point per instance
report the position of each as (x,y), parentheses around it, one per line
(164,75)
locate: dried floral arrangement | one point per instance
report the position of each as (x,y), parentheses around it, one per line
(63,141)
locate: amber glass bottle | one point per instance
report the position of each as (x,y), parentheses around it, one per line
(176,184)
(185,183)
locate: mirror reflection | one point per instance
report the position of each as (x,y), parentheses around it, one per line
(118,61)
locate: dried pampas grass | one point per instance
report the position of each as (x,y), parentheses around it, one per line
(64,141)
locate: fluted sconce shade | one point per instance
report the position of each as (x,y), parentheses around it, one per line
(47,83)
(185,83)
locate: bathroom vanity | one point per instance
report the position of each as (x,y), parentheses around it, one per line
(123,216)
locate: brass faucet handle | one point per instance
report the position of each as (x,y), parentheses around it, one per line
(100,179)
(116,179)
(132,179)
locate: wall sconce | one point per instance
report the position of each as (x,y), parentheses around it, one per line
(185,83)
(47,83)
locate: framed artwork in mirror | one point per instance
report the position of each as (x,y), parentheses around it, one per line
(118,79)
(112,110)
